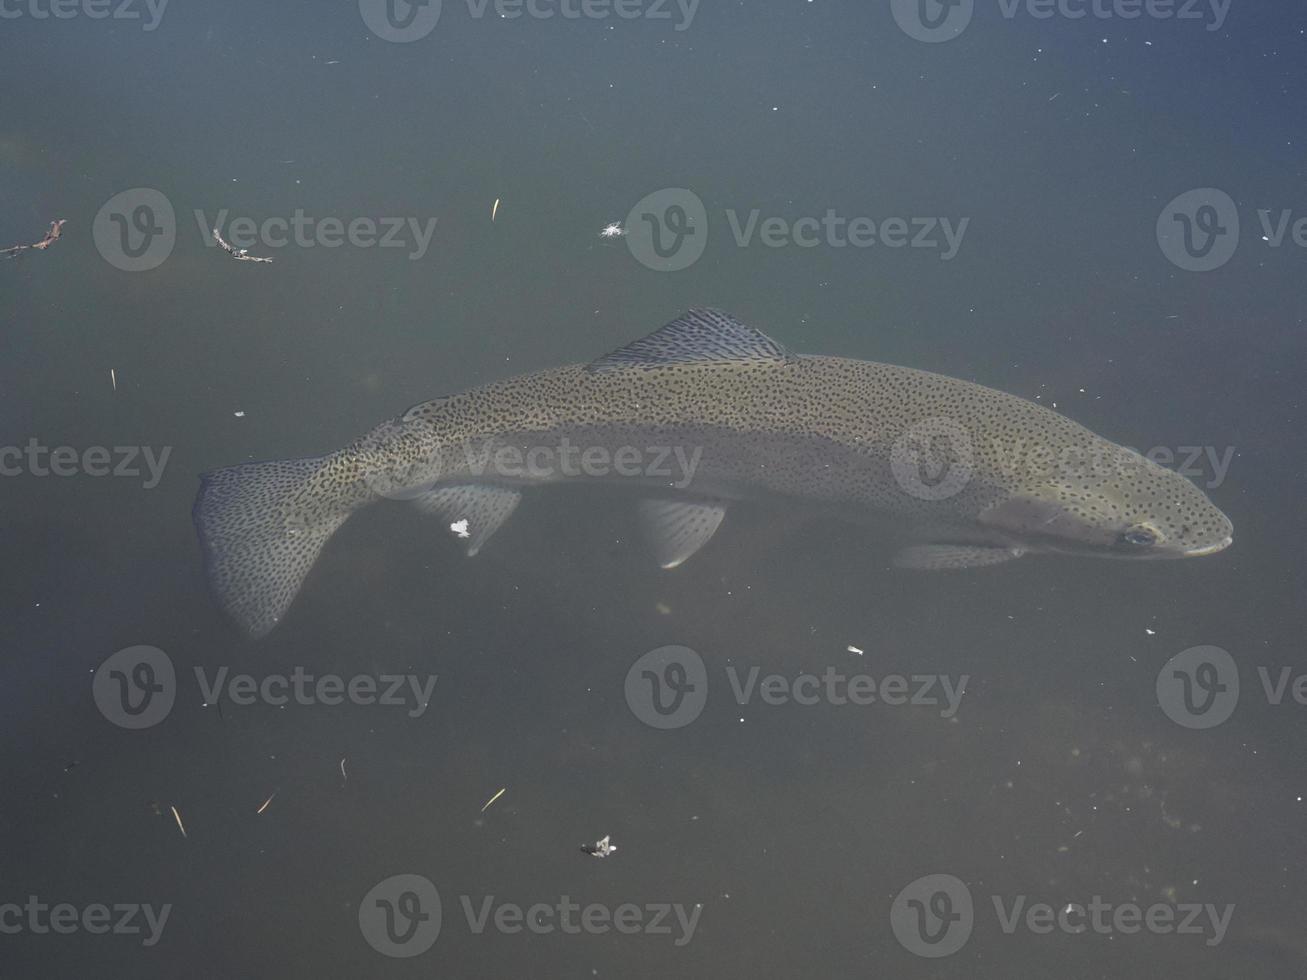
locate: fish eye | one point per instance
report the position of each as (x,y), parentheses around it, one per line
(1139,537)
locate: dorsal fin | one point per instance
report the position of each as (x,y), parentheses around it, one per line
(696,336)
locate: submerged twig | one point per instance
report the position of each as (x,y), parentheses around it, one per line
(178,817)
(240,254)
(51,236)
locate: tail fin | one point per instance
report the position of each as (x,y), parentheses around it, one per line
(261,527)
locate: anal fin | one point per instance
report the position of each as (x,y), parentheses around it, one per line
(935,557)
(676,529)
(484,508)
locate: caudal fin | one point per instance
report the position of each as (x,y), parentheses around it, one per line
(261,527)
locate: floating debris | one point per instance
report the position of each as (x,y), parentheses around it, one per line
(51,236)
(265,805)
(343,775)
(492,799)
(601,848)
(113,379)
(178,817)
(460,528)
(852,649)
(612,230)
(494,210)
(240,254)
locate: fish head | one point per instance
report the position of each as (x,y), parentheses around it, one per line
(1122,506)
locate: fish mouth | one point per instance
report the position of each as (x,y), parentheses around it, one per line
(1210,549)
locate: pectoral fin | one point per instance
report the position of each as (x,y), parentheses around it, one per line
(676,529)
(484,508)
(935,557)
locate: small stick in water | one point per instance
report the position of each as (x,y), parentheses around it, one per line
(240,254)
(51,236)
(178,817)
(492,799)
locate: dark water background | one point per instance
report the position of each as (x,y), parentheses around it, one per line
(1059,779)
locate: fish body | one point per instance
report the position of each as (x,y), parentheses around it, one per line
(701,413)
